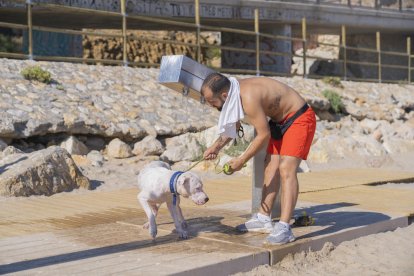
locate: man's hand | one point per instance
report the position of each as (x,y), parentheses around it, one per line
(236,164)
(211,153)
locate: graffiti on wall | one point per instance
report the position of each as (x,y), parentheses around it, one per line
(245,60)
(161,8)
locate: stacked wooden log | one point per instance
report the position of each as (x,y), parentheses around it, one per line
(148,46)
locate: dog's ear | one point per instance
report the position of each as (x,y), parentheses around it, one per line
(183,185)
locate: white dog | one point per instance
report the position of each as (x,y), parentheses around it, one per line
(158,184)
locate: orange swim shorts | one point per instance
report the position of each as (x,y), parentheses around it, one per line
(298,138)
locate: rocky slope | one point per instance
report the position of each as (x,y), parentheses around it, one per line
(104,114)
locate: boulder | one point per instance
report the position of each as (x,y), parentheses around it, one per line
(96,158)
(397,145)
(185,147)
(369,125)
(334,147)
(118,149)
(303,167)
(10,150)
(74,146)
(43,172)
(148,146)
(3,145)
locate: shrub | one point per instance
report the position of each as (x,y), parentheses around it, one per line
(237,148)
(334,81)
(36,73)
(213,52)
(334,99)
(6,44)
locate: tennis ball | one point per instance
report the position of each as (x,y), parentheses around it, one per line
(227,169)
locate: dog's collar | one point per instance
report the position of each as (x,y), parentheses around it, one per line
(173,185)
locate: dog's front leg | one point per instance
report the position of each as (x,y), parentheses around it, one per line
(150,214)
(180,214)
(173,211)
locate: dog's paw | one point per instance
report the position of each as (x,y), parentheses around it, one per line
(183,234)
(146,225)
(153,232)
(184,224)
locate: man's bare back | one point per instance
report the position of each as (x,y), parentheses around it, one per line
(276,99)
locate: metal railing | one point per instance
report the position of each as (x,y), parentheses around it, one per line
(29,27)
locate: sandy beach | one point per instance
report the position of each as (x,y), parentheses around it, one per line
(389,253)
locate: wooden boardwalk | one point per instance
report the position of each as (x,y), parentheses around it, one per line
(100,232)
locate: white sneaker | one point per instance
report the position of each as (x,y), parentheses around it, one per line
(256,225)
(280,234)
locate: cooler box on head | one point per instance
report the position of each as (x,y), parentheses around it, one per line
(183,75)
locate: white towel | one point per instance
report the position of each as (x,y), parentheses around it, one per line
(232,111)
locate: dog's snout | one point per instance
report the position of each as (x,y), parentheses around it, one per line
(207,199)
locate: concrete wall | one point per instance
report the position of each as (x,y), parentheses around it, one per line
(389,42)
(54,44)
(242,60)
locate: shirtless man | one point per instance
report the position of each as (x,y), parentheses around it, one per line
(263,98)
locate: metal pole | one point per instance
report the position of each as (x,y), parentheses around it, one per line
(197,21)
(379,56)
(400,5)
(349,3)
(256,29)
(344,47)
(409,58)
(304,45)
(124,33)
(30,28)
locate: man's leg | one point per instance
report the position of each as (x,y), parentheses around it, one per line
(261,222)
(290,186)
(271,183)
(281,232)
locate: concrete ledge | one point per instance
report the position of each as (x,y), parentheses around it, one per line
(232,266)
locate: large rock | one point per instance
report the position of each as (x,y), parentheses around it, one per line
(96,158)
(369,125)
(43,172)
(119,149)
(397,145)
(10,150)
(3,145)
(334,147)
(74,146)
(185,147)
(148,146)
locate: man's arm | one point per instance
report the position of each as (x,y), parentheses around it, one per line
(262,136)
(221,142)
(213,150)
(258,119)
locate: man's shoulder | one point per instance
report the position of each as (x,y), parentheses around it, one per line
(257,81)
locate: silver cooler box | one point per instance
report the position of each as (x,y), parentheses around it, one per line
(183,75)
